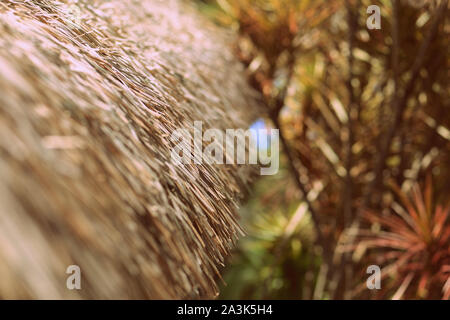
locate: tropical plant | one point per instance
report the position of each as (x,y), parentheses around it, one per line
(413,245)
(356,108)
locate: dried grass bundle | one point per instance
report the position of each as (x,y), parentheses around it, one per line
(90,93)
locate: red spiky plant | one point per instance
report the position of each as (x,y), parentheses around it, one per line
(413,246)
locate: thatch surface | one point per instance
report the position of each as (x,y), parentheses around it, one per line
(86,110)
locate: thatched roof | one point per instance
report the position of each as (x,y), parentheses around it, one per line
(87,105)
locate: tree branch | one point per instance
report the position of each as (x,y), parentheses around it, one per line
(400,104)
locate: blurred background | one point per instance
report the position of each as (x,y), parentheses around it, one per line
(365,131)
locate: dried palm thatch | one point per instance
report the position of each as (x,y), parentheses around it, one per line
(89,97)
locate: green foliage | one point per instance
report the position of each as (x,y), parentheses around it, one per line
(277,259)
